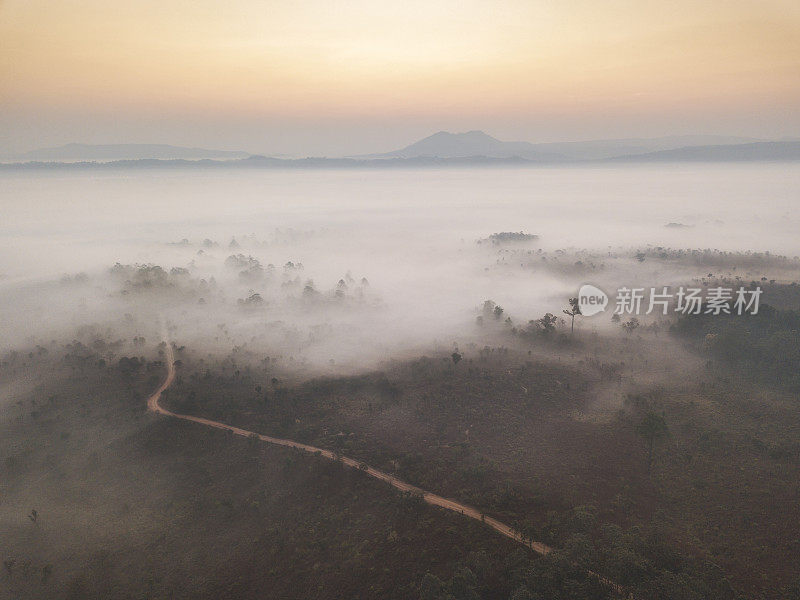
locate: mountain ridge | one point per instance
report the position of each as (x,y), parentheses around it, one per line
(439,149)
(80,152)
(756,151)
(444,144)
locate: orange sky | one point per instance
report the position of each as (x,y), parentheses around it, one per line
(368,75)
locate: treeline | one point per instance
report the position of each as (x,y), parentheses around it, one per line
(764,346)
(709,257)
(594,562)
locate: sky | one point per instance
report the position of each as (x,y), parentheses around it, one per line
(334,77)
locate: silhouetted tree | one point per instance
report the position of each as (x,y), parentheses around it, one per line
(574,309)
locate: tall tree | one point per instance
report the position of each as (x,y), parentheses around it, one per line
(574,309)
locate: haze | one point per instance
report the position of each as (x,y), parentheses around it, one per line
(337,78)
(414,235)
(302,300)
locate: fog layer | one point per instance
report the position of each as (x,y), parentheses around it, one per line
(329,267)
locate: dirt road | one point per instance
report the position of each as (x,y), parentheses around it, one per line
(430,498)
(433,499)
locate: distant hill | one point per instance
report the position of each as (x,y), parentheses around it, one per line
(264,162)
(469,144)
(477,143)
(599,149)
(109,152)
(758,151)
(441,150)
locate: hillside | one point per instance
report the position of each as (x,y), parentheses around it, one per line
(472,143)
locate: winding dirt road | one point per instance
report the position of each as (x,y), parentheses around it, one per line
(433,499)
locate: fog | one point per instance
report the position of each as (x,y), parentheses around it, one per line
(410,323)
(411,246)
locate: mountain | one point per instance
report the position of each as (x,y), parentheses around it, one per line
(599,149)
(473,145)
(264,162)
(758,151)
(469,144)
(441,150)
(108,152)
(478,143)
